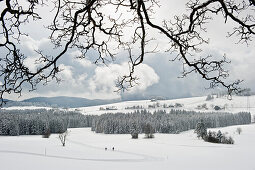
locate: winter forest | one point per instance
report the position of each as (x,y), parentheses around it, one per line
(42,121)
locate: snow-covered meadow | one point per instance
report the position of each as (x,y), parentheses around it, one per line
(236,104)
(86,150)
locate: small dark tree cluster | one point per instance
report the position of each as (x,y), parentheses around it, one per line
(212,136)
(149,131)
(218,138)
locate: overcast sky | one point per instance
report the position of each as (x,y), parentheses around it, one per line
(157,75)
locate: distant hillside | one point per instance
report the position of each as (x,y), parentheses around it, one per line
(60,101)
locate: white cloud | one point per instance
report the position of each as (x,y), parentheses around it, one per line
(32,44)
(105,77)
(30,63)
(66,73)
(82,61)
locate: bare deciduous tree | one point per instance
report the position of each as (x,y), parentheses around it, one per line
(239,130)
(79,24)
(63,136)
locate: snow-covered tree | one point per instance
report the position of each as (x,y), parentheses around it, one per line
(201,129)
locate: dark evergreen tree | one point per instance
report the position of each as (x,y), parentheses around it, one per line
(201,129)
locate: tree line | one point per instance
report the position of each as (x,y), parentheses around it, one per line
(42,121)
(160,121)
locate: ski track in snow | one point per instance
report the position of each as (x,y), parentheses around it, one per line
(145,157)
(71,158)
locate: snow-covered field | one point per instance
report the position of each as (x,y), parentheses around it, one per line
(86,150)
(236,104)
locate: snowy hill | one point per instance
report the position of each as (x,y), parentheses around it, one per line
(236,104)
(59,101)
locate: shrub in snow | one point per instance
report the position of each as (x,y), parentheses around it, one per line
(46,134)
(239,130)
(134,135)
(227,140)
(218,138)
(217,108)
(211,137)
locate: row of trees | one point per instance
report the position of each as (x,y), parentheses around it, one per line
(42,121)
(173,122)
(39,122)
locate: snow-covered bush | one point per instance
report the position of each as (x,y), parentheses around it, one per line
(46,134)
(211,137)
(217,108)
(239,130)
(134,135)
(227,140)
(218,138)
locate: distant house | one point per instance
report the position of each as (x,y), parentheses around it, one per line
(153,100)
(111,108)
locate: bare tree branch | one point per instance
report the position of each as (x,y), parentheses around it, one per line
(83,25)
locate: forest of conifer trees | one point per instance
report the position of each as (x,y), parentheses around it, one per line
(41,121)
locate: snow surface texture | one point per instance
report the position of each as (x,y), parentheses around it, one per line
(86,150)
